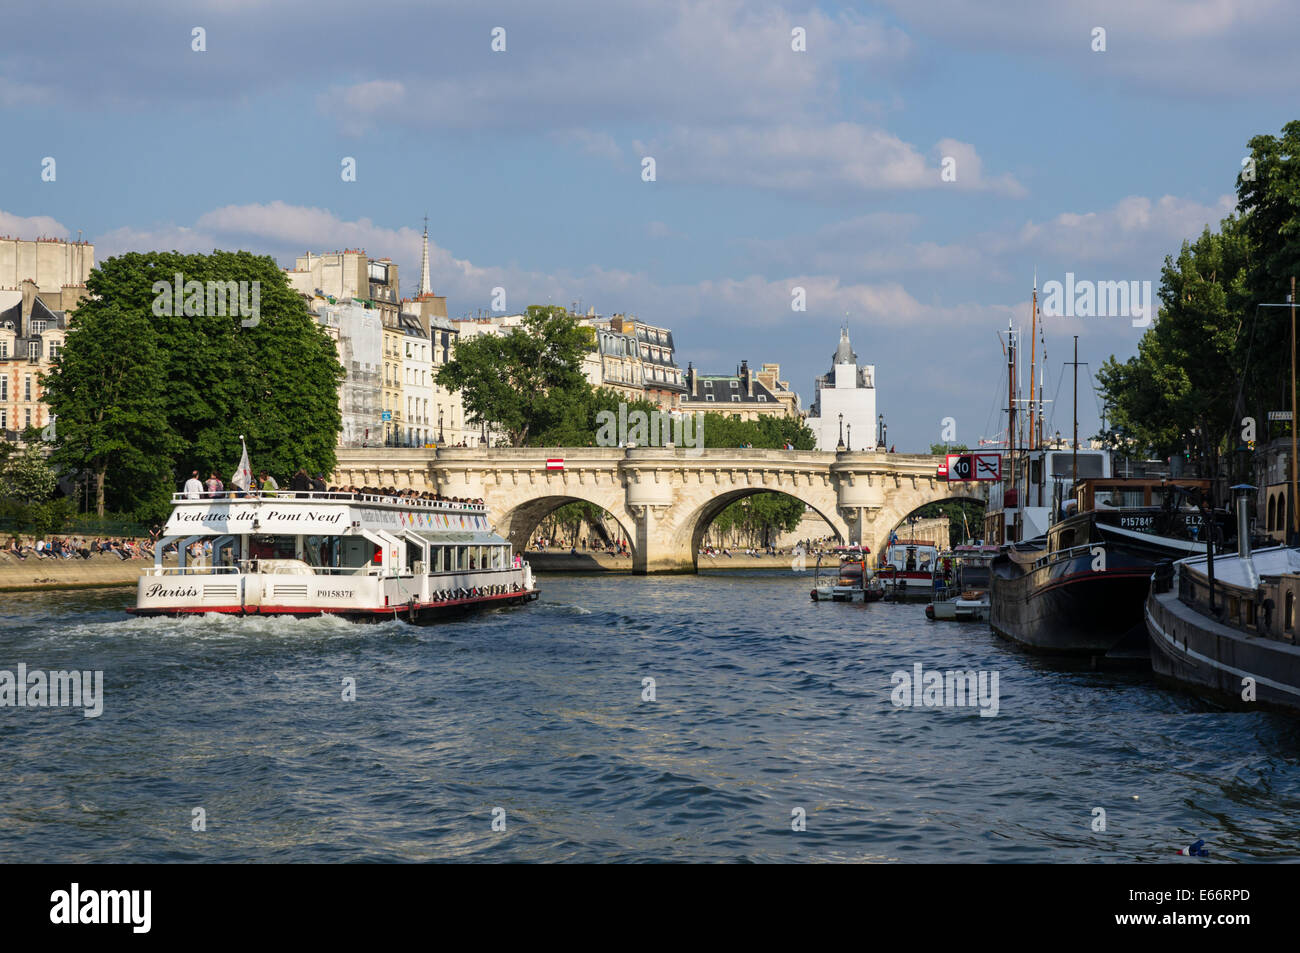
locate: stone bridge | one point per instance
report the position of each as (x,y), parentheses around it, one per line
(664,499)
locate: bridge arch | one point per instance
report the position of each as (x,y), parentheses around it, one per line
(519,522)
(901,506)
(695,523)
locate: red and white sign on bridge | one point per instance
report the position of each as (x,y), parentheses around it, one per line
(974,467)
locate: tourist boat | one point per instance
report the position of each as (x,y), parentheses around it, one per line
(357,556)
(1227,628)
(961,584)
(908,564)
(853,581)
(1079,588)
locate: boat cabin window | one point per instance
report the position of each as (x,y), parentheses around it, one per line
(1290,610)
(322,551)
(1090,465)
(1121,496)
(225,551)
(1036,471)
(1066,539)
(273,547)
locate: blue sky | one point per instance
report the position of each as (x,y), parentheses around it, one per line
(775,168)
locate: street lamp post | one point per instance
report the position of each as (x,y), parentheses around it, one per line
(440,437)
(849,446)
(880,429)
(840,445)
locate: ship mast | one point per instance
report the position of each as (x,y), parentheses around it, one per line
(1033,356)
(1011,419)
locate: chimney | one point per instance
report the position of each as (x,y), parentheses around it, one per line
(746,379)
(29,299)
(690,379)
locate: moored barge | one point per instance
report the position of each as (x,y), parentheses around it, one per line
(1227,629)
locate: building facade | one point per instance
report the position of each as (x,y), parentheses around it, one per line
(661,378)
(41,283)
(352,274)
(357,332)
(844,411)
(742,395)
(417,385)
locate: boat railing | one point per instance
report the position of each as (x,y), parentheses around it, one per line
(253,567)
(1253,611)
(1060,554)
(327,497)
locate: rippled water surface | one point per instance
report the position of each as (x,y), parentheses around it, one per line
(765,703)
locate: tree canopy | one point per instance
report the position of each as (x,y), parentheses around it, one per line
(142,397)
(527,382)
(1215,356)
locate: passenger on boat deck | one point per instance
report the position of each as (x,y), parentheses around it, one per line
(214,484)
(193,488)
(318,483)
(266,483)
(301,482)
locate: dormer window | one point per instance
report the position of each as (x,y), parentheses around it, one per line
(38,327)
(34,350)
(735,398)
(735,385)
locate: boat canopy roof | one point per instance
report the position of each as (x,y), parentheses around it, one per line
(322,514)
(1230,569)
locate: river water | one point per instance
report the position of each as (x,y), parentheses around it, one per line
(770,712)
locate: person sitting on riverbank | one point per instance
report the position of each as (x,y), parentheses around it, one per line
(16,548)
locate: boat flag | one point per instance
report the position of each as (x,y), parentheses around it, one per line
(244,474)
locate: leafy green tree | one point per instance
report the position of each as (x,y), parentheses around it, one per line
(27,476)
(1186,375)
(273,377)
(1268,201)
(942,449)
(766,433)
(757,520)
(569,418)
(521,381)
(962,515)
(107,394)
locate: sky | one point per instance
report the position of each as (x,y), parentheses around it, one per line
(912,167)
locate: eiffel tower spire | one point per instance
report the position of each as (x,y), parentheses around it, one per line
(425,287)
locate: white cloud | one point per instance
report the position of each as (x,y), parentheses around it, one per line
(1191,49)
(825,159)
(1133,226)
(36,226)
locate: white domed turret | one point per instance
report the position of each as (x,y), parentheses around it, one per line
(844,412)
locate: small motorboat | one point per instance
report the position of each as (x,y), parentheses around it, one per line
(960,582)
(853,580)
